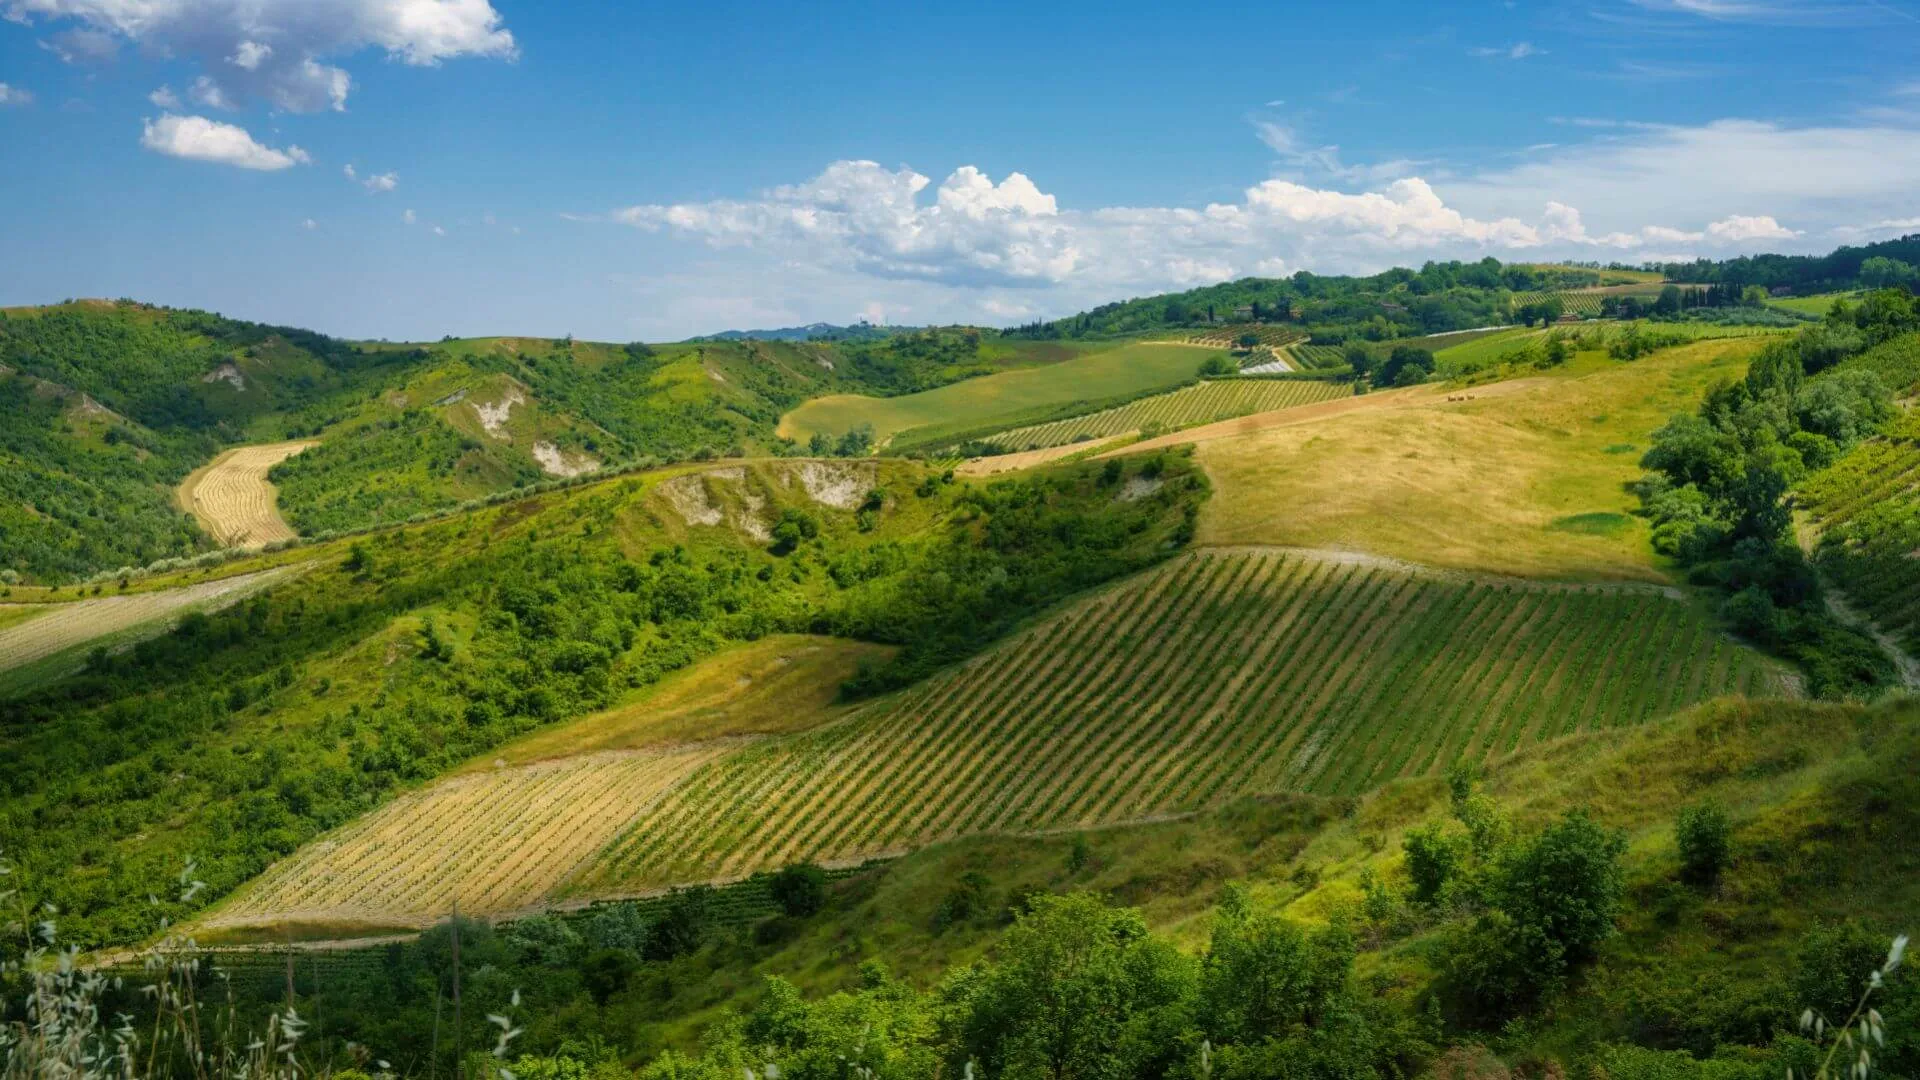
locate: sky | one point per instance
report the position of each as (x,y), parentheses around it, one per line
(408,169)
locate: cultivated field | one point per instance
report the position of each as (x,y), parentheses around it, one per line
(1525,476)
(1866,511)
(1003,398)
(232,499)
(1228,337)
(26,637)
(1587,301)
(495,843)
(1218,399)
(1220,674)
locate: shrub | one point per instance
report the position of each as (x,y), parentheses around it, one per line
(1434,855)
(800,890)
(1704,838)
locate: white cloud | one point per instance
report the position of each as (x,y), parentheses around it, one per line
(200,139)
(13,95)
(438,231)
(408,218)
(862,214)
(378,183)
(165,98)
(309,224)
(1519,50)
(1740,228)
(1785,12)
(205,91)
(82,46)
(272,50)
(249,55)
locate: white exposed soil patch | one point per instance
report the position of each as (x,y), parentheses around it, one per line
(731,472)
(90,407)
(1139,487)
(688,497)
(835,484)
(716,376)
(454,398)
(228,372)
(752,520)
(558,462)
(494,417)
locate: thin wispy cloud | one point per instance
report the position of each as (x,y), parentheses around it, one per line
(1517,51)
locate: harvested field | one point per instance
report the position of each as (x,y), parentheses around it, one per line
(1218,675)
(59,627)
(232,498)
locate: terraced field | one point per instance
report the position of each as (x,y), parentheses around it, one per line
(494,842)
(1220,674)
(231,496)
(1220,399)
(1866,508)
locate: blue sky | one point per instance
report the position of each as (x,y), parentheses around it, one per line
(626,171)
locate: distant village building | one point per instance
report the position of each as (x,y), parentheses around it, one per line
(1243,313)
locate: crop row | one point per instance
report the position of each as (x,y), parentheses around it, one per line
(1867,507)
(494,842)
(1217,676)
(1228,337)
(1206,402)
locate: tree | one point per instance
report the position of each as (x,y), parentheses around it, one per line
(1669,301)
(1567,882)
(683,927)
(1248,341)
(606,973)
(1880,272)
(1264,976)
(1434,855)
(1080,991)
(1703,836)
(800,890)
(1359,358)
(794,526)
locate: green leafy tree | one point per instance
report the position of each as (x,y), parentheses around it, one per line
(1434,855)
(1704,838)
(799,890)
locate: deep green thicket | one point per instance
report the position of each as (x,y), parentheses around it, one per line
(1718,492)
(242,735)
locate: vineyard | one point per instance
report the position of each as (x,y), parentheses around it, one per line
(495,842)
(1218,675)
(1867,508)
(1586,302)
(64,626)
(1221,399)
(232,499)
(1228,337)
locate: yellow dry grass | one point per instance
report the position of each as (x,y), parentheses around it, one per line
(233,500)
(779,684)
(1527,477)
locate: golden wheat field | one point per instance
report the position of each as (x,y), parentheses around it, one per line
(233,501)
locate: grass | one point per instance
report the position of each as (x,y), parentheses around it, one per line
(774,686)
(1218,399)
(1476,483)
(1813,305)
(978,403)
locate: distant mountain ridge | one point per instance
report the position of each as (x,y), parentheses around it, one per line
(820,331)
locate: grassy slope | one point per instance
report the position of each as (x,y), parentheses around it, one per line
(976,403)
(1527,477)
(1818,794)
(777,685)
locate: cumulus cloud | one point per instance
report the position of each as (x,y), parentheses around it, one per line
(376,184)
(205,91)
(165,98)
(309,224)
(13,95)
(1740,228)
(871,218)
(197,138)
(408,218)
(274,50)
